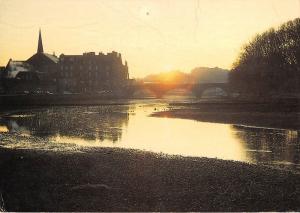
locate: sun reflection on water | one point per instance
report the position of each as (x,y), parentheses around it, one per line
(170,136)
(3,129)
(131,127)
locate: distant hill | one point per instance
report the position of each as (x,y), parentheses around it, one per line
(209,75)
(199,74)
(171,76)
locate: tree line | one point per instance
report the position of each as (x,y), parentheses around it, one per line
(270,63)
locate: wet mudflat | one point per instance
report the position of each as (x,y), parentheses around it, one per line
(151,126)
(89,159)
(273,115)
(109,179)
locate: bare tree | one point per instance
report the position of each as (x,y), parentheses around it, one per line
(270,62)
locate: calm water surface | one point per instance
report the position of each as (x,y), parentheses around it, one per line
(131,126)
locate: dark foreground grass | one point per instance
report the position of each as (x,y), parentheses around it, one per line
(126,180)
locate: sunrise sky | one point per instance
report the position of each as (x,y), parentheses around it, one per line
(153,36)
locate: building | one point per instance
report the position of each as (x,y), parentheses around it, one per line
(44,63)
(44,72)
(19,76)
(36,73)
(2,69)
(92,73)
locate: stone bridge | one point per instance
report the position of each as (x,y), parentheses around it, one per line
(160,89)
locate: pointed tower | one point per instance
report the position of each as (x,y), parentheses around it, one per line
(40,44)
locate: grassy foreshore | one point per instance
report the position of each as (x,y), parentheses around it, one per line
(126,180)
(274,115)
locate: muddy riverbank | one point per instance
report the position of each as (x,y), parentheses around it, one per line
(53,160)
(275,115)
(108,179)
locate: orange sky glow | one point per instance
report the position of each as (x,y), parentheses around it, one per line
(153,36)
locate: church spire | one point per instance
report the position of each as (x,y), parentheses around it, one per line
(40,44)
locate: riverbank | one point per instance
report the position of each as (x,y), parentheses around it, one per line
(273,115)
(21,100)
(126,180)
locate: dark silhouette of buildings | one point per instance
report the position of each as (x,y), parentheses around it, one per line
(44,72)
(91,72)
(1,77)
(38,73)
(44,63)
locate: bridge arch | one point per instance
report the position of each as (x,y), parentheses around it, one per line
(160,89)
(201,88)
(179,92)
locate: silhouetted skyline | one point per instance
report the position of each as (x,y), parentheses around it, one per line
(154,36)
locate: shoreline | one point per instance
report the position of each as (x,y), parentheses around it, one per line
(109,179)
(116,179)
(282,116)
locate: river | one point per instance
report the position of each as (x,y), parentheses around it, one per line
(131,126)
